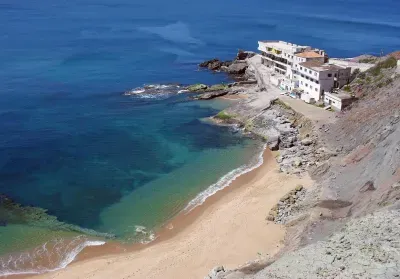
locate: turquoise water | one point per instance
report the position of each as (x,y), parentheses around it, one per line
(102,163)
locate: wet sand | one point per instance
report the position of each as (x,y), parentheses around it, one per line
(229,229)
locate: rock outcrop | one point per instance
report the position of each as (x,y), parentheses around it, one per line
(236,68)
(355,162)
(368,247)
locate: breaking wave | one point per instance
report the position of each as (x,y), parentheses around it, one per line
(154,91)
(51,256)
(225,181)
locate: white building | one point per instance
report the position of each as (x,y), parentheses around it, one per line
(338,101)
(303,68)
(279,55)
(316,78)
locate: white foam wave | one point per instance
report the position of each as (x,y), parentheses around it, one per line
(51,256)
(225,181)
(153,91)
(146,236)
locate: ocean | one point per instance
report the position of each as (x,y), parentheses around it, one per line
(87,163)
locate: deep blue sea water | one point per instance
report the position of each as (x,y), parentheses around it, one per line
(72,143)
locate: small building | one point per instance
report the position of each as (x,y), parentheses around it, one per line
(338,101)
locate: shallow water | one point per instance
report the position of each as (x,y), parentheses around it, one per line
(73,144)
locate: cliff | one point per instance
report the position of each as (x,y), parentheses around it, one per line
(355,163)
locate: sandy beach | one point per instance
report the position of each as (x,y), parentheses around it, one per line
(229,229)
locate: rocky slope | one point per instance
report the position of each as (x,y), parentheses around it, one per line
(359,175)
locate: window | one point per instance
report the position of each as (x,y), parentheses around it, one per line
(329,75)
(306,85)
(301,68)
(301,82)
(310,71)
(316,89)
(335,75)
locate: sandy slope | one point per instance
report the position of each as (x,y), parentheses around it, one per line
(230,230)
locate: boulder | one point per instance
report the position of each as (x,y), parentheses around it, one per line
(206,63)
(368,186)
(298,188)
(307,141)
(237,68)
(215,66)
(297,162)
(273,143)
(242,55)
(396,186)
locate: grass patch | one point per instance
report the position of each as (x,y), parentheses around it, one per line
(390,62)
(282,104)
(362,75)
(347,88)
(249,125)
(222,115)
(369,60)
(217,87)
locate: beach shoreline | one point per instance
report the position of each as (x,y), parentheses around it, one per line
(228,229)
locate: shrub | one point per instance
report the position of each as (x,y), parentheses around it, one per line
(362,75)
(347,88)
(282,104)
(223,115)
(390,62)
(368,60)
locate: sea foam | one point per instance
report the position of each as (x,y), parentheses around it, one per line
(225,181)
(51,256)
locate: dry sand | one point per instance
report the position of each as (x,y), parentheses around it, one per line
(229,229)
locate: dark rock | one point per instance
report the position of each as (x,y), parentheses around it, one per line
(211,95)
(273,144)
(206,63)
(215,66)
(368,186)
(237,68)
(242,55)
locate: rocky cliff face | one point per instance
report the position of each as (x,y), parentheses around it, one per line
(357,191)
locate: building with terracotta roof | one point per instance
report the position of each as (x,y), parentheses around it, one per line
(303,68)
(281,56)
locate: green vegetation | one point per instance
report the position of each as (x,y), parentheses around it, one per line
(217,87)
(222,115)
(197,87)
(390,62)
(347,88)
(385,83)
(369,60)
(249,125)
(362,75)
(280,103)
(355,74)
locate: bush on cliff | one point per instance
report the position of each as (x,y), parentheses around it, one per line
(222,115)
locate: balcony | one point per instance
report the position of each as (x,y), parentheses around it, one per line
(275,58)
